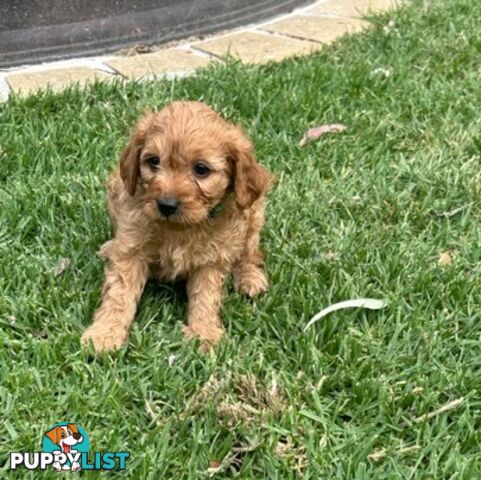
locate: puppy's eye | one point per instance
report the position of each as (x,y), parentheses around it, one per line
(63,434)
(201,170)
(153,162)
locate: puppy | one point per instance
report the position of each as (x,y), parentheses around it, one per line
(187,202)
(65,437)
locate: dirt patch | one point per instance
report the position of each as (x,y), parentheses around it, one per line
(238,399)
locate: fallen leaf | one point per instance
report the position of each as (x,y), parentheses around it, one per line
(138,49)
(369,303)
(61,266)
(317,132)
(171,360)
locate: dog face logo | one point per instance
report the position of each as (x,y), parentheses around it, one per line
(66,447)
(67,441)
(65,437)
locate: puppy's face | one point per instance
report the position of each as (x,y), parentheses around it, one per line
(183,161)
(184,173)
(65,436)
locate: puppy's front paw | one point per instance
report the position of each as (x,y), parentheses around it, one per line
(209,334)
(250,280)
(105,337)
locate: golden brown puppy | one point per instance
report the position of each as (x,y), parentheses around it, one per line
(187,202)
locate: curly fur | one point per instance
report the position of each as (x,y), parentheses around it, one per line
(195,243)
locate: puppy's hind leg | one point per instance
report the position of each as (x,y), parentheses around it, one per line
(248,273)
(125,278)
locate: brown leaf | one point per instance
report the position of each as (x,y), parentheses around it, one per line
(317,132)
(137,49)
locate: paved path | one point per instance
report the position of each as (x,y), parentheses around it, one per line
(299,33)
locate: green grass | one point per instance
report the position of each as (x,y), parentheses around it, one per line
(358,214)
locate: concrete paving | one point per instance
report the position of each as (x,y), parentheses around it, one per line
(299,33)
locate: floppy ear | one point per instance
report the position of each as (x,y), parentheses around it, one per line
(130,158)
(129,168)
(54,434)
(73,427)
(250,179)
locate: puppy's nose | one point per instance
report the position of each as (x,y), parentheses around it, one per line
(76,436)
(167,205)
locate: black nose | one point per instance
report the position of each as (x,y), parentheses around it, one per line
(76,436)
(167,206)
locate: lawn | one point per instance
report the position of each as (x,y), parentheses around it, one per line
(389,209)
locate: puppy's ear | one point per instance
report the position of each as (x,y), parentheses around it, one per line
(250,179)
(73,427)
(130,157)
(129,167)
(54,434)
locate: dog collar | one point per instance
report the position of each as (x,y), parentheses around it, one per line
(217,210)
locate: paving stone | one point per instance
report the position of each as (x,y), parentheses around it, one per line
(354,8)
(158,63)
(319,29)
(57,79)
(4,90)
(341,16)
(251,47)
